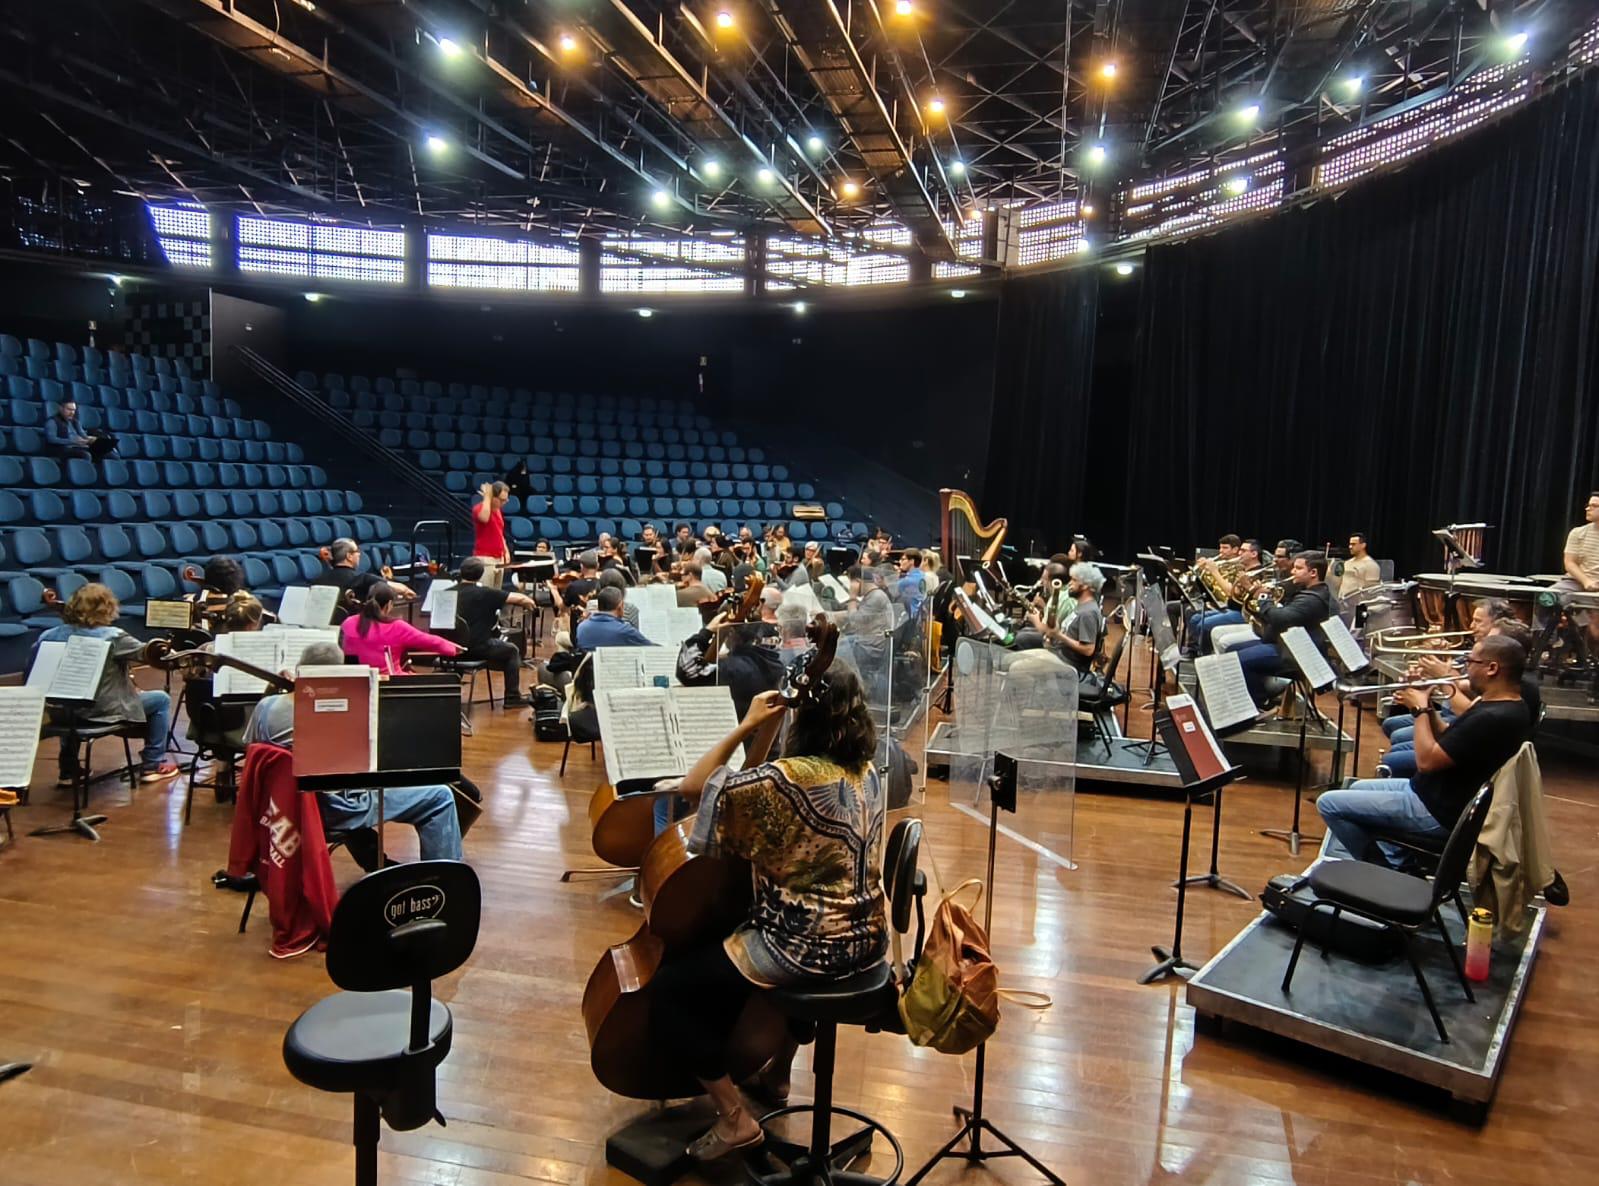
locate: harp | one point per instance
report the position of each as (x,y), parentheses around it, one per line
(969,545)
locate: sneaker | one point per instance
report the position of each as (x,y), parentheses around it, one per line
(515,702)
(66,780)
(157,773)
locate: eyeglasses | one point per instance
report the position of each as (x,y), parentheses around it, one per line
(1470,660)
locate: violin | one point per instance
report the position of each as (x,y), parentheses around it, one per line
(52,603)
(197,664)
(686,899)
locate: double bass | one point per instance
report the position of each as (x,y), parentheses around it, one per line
(687,899)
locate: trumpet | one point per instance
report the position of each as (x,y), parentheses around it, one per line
(1349,691)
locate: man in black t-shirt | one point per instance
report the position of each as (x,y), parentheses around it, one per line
(343,556)
(1452,761)
(477,611)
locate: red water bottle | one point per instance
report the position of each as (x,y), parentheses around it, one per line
(1479,943)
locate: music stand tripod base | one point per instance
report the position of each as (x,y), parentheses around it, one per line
(83,825)
(1171,964)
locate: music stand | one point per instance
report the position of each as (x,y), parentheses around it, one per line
(1309,679)
(1204,771)
(1001,796)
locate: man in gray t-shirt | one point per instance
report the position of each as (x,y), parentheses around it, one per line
(1076,636)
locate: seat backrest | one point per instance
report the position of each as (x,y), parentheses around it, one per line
(1458,848)
(404,925)
(900,874)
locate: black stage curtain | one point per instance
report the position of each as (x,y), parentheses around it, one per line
(1043,363)
(1421,350)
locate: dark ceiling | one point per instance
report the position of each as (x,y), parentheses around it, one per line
(560,115)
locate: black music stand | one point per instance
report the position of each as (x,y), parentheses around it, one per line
(1171,960)
(1308,709)
(1001,796)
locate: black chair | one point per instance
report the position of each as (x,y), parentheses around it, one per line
(402,927)
(470,669)
(1107,695)
(1398,901)
(868,999)
(216,730)
(80,735)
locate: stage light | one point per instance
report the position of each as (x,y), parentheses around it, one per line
(1097,154)
(1124,269)
(1514,43)
(711,167)
(1088,210)
(799,307)
(904,8)
(116,280)
(313,297)
(568,43)
(1235,185)
(935,106)
(765,176)
(1248,113)
(850,190)
(660,199)
(646,313)
(1354,84)
(436,144)
(1108,70)
(724,19)
(815,143)
(449,48)
(957,168)
(957,293)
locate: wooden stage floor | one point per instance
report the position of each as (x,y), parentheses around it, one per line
(155,1030)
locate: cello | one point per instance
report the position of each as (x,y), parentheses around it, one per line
(687,899)
(623,826)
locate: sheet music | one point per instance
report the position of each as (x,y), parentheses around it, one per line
(1344,645)
(1221,683)
(636,732)
(431,596)
(653,597)
(1310,661)
(293,641)
(633,667)
(255,647)
(1154,607)
(1184,701)
(668,628)
(21,717)
(168,615)
(70,670)
(704,717)
(442,615)
(291,606)
(320,602)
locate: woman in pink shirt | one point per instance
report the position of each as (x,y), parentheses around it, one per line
(374,638)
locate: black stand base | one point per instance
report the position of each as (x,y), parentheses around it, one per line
(781,1162)
(972,1128)
(83,825)
(654,1148)
(1217,882)
(1292,836)
(1171,964)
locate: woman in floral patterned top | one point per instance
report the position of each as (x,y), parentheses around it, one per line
(811,826)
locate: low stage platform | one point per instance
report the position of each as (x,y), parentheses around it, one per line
(1373,1013)
(1127,762)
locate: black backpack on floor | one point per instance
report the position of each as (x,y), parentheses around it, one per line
(547,723)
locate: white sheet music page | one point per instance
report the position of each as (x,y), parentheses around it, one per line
(434,589)
(704,717)
(633,667)
(442,615)
(293,640)
(291,607)
(255,647)
(21,717)
(1221,683)
(669,627)
(654,597)
(46,660)
(320,602)
(1311,662)
(635,729)
(1344,645)
(78,668)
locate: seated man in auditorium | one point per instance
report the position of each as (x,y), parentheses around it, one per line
(911,589)
(654,549)
(685,543)
(93,611)
(612,578)
(604,626)
(1308,602)
(341,571)
(691,588)
(1282,558)
(354,814)
(488,530)
(64,437)
(477,614)
(1361,571)
(1580,560)
(580,590)
(733,655)
(1452,763)
(1486,613)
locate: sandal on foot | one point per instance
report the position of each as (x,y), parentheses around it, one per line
(713,1147)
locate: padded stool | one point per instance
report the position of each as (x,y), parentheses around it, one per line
(404,925)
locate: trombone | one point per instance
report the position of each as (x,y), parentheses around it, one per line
(1407,640)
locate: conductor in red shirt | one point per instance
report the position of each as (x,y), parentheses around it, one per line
(488,531)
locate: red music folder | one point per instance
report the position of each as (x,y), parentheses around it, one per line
(1203,755)
(335,721)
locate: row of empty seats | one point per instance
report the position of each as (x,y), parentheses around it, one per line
(62,362)
(119,474)
(196,400)
(45,506)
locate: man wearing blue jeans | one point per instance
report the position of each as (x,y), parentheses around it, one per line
(431,809)
(1453,761)
(1308,602)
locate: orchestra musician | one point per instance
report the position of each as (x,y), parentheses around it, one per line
(378,639)
(1309,602)
(604,626)
(812,564)
(810,823)
(1200,625)
(685,543)
(655,547)
(93,611)
(691,590)
(341,571)
(488,531)
(912,589)
(778,546)
(477,614)
(712,577)
(1580,560)
(1282,558)
(354,814)
(1452,761)
(1360,570)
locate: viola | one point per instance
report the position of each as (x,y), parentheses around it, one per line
(687,899)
